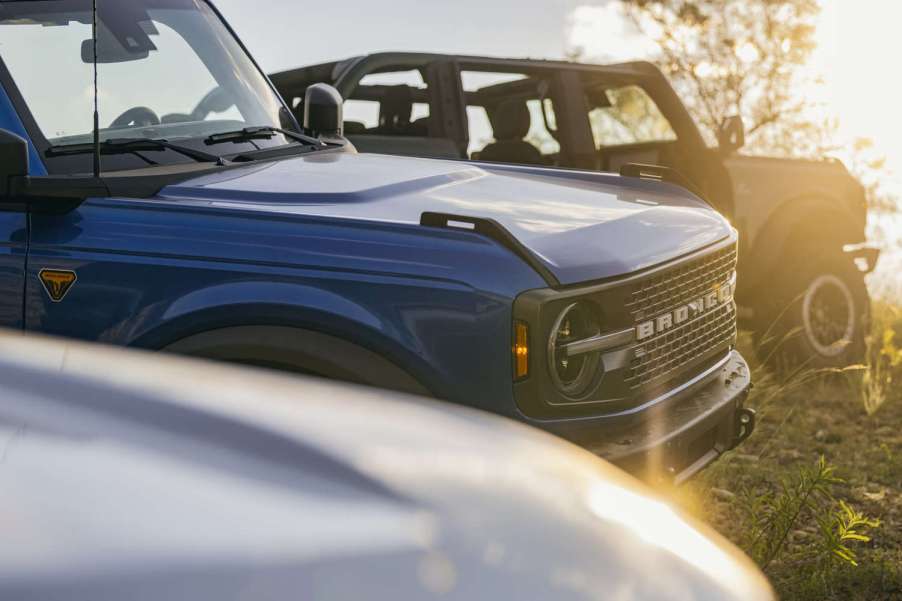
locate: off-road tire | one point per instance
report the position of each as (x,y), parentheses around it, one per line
(815,316)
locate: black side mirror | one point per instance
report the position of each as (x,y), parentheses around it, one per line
(13,159)
(323,111)
(731,135)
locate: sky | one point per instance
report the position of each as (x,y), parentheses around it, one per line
(859,44)
(289,33)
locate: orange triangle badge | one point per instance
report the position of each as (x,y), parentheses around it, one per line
(57,282)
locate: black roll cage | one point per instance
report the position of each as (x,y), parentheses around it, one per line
(700,164)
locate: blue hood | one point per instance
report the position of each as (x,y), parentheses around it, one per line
(582,226)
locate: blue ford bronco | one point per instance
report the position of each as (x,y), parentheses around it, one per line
(158,193)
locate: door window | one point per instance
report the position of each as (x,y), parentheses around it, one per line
(510,117)
(390,103)
(626,115)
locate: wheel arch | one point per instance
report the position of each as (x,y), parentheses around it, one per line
(294,349)
(294,338)
(803,220)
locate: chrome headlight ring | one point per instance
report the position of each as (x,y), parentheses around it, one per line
(573,359)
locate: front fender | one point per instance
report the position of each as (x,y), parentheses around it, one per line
(435,332)
(307,302)
(151,273)
(765,187)
(796,222)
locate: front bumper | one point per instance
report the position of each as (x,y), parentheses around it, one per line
(677,435)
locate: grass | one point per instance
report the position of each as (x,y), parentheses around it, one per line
(815,495)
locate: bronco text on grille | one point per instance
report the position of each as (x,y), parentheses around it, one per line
(682,316)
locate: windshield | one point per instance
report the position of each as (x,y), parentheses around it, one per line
(168,69)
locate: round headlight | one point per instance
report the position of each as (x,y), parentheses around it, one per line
(573,371)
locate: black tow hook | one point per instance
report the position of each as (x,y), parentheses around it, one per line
(745,425)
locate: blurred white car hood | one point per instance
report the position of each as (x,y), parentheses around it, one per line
(127,475)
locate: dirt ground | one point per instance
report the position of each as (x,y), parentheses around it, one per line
(796,427)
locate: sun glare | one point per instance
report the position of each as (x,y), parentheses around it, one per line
(658,525)
(857,41)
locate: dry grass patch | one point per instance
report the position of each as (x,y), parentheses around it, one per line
(815,495)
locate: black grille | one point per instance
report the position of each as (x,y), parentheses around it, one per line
(681,285)
(669,354)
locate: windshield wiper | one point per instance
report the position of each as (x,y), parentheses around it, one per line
(260,132)
(131,145)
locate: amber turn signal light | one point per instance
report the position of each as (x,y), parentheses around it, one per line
(521,350)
